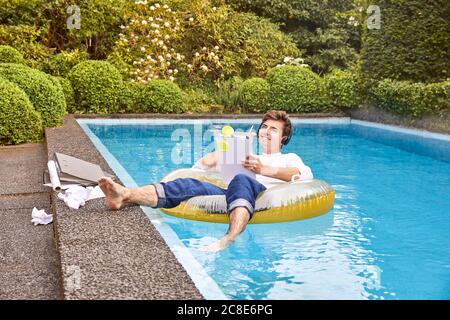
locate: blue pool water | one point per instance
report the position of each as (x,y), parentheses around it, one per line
(386,238)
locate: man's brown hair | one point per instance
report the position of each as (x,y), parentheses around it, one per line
(280,115)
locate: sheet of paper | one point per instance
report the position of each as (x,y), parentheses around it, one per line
(232,151)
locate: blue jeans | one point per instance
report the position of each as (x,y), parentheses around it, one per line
(242,192)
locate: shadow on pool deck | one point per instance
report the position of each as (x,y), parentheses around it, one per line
(28,259)
(109,254)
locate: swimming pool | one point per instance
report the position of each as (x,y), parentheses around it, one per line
(386,238)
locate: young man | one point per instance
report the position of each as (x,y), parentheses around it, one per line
(271,168)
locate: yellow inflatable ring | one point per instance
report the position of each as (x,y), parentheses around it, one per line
(289,201)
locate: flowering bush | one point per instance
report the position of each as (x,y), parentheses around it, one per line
(147,42)
(198,42)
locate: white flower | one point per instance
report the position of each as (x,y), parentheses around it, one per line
(191,19)
(171,78)
(164,47)
(167,24)
(161,43)
(204,48)
(189,66)
(204,68)
(142,48)
(167,37)
(168,56)
(175,71)
(214,8)
(149,57)
(122,27)
(165,6)
(170,71)
(152,8)
(216,47)
(156,31)
(157,5)
(161,58)
(150,19)
(287,59)
(144,22)
(197,54)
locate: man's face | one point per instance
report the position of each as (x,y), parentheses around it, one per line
(271,135)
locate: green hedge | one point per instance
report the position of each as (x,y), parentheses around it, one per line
(60,64)
(342,89)
(254,95)
(46,96)
(296,89)
(228,92)
(97,86)
(67,89)
(197,100)
(10,55)
(412,99)
(19,122)
(412,44)
(161,96)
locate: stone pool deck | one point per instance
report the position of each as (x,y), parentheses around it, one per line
(109,254)
(29,264)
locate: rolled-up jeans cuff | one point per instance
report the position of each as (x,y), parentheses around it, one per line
(241,202)
(161,195)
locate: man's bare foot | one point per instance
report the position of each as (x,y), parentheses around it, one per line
(218,245)
(115,193)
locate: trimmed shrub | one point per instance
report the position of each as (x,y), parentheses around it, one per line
(161,96)
(197,101)
(60,64)
(10,55)
(97,86)
(19,122)
(67,89)
(295,89)
(131,98)
(413,99)
(46,96)
(438,97)
(254,95)
(342,89)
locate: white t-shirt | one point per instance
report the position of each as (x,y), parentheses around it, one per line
(280,160)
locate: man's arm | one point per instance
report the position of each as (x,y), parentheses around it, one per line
(284,174)
(208,162)
(254,164)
